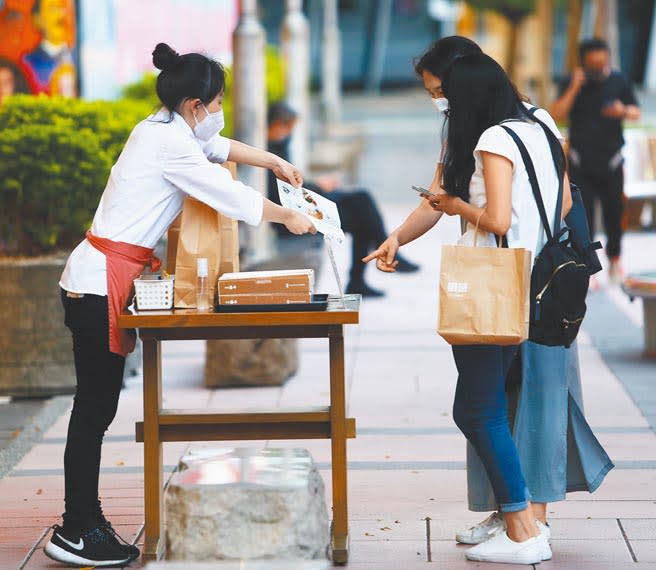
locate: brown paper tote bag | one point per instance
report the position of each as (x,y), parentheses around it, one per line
(200,231)
(484,295)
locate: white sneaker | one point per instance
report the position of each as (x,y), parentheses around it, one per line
(500,548)
(483,531)
(545,534)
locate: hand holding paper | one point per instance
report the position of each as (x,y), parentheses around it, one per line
(319,210)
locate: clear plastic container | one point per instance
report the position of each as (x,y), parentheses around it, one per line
(202,285)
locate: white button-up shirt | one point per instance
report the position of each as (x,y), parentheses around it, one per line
(161,163)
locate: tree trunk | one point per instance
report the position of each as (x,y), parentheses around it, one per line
(513,42)
(545,11)
(574,18)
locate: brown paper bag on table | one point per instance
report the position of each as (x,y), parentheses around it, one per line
(172,244)
(484,295)
(229,236)
(200,231)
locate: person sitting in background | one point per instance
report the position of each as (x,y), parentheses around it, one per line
(357,209)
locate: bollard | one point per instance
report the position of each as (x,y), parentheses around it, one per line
(249,108)
(331,64)
(295,48)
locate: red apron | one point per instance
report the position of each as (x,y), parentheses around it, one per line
(125,262)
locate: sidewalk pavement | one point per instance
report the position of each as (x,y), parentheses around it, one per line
(407,483)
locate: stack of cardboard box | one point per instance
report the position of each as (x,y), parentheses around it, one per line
(266,287)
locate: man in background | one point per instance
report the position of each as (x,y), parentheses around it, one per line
(358,212)
(597,99)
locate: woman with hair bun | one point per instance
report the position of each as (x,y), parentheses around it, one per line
(167,157)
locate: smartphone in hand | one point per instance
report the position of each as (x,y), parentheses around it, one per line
(422,191)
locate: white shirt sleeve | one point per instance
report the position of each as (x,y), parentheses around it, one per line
(217,149)
(547,119)
(497,141)
(186,167)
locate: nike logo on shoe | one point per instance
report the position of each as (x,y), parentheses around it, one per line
(78,546)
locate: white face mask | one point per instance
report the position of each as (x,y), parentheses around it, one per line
(441,104)
(211,125)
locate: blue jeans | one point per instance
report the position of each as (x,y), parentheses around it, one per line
(479,410)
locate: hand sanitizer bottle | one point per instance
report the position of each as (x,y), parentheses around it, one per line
(202,288)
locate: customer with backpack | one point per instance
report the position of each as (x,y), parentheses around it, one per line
(485,181)
(557,449)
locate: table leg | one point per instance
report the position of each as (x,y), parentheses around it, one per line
(340,539)
(649,312)
(152,402)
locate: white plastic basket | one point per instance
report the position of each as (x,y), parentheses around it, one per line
(154,292)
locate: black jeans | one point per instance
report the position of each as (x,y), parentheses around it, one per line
(360,218)
(608,187)
(99,379)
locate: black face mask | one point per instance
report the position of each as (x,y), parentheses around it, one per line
(595,75)
(280,147)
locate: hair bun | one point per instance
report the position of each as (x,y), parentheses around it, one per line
(165,57)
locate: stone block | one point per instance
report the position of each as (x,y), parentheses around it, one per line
(246,504)
(261,362)
(36,347)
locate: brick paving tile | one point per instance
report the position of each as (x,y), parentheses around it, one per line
(603,550)
(645,550)
(639,529)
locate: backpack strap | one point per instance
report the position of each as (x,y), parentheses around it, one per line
(554,144)
(535,187)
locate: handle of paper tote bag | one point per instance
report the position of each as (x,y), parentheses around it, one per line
(478,219)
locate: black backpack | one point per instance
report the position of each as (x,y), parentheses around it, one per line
(576,219)
(560,276)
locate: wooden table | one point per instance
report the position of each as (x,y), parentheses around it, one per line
(160,425)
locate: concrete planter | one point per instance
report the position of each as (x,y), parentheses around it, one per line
(36,348)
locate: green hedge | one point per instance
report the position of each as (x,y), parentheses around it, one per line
(56,155)
(55,159)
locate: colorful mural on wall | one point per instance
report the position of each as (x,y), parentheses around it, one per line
(37,43)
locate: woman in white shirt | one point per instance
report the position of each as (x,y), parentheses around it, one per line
(168,156)
(484,178)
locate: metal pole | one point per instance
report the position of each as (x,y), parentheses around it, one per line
(331,64)
(249,104)
(295,47)
(650,71)
(381,31)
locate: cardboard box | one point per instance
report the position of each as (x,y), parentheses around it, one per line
(265,299)
(267,282)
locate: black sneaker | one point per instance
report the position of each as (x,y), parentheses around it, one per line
(405,266)
(363,289)
(119,540)
(93,547)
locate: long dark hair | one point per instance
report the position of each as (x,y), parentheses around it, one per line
(188,76)
(439,56)
(480,95)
